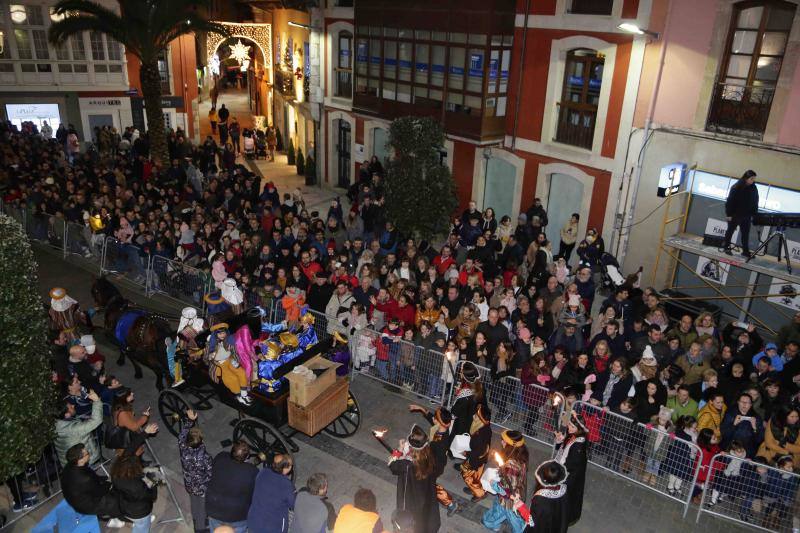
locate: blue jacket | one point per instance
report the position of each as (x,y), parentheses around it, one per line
(776,361)
(272,498)
(782,486)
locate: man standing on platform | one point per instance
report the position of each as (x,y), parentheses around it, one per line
(741,205)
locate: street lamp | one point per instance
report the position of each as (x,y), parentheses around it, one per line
(636,30)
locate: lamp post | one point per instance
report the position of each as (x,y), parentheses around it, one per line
(636,30)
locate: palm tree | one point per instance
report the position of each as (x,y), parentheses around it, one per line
(145,28)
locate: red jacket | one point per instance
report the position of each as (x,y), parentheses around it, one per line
(706,454)
(463,275)
(384,343)
(405,315)
(442,264)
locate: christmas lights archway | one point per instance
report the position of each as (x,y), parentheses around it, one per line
(260,34)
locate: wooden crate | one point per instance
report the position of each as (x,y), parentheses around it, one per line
(312,418)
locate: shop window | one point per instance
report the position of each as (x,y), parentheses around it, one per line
(24,50)
(749,71)
(78,48)
(583,78)
(591,7)
(40,44)
(163,72)
(344,65)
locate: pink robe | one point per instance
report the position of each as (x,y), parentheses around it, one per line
(245,348)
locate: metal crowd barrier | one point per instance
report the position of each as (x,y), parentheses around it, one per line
(647,456)
(426,373)
(125,259)
(79,240)
(178,281)
(526,408)
(35,486)
(750,493)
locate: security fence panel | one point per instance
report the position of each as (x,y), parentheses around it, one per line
(17,213)
(177,280)
(79,240)
(641,453)
(35,486)
(527,408)
(402,364)
(125,259)
(45,228)
(751,493)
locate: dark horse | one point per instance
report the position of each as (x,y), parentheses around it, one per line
(141,336)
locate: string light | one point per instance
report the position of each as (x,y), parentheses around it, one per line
(261,34)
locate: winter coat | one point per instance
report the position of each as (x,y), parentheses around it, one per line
(88,492)
(773,447)
(135,498)
(710,418)
(230,489)
(70,432)
(618,393)
(706,454)
(273,497)
(742,200)
(743,431)
(196,463)
(680,457)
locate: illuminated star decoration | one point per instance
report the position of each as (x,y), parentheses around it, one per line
(240,52)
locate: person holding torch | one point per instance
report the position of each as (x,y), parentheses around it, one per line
(511,485)
(415,467)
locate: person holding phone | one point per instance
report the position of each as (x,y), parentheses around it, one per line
(740,206)
(742,424)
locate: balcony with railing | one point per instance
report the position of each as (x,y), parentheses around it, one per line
(576,126)
(741,110)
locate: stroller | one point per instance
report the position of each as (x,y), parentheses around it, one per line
(249,147)
(611,277)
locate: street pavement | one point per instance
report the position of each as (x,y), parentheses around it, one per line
(611,502)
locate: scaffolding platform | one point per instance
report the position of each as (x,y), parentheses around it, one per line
(764,264)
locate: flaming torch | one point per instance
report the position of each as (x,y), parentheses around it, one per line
(379,434)
(499,459)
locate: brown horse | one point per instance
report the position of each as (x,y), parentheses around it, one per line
(139,334)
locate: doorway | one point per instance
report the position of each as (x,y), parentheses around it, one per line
(343,150)
(98,121)
(379,139)
(498,190)
(565,196)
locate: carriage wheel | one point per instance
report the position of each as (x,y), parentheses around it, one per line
(347,423)
(172,406)
(264,440)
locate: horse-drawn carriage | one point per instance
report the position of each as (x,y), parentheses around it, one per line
(260,422)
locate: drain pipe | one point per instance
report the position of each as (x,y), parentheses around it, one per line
(648,126)
(519,79)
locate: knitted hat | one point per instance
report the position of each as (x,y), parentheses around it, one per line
(574,300)
(648,358)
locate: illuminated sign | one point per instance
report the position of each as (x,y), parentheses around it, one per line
(770,198)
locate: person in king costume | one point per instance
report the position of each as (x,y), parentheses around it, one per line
(66,315)
(571,451)
(511,485)
(223,363)
(480,438)
(288,346)
(232,295)
(440,421)
(468,396)
(549,510)
(188,328)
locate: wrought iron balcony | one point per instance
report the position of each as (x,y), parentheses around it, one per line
(741,110)
(576,126)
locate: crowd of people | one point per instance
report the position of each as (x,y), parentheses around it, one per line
(495,294)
